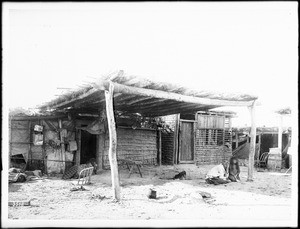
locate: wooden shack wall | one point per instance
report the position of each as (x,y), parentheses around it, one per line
(207,151)
(19,142)
(169,139)
(167,148)
(138,144)
(212,150)
(205,155)
(53,153)
(42,157)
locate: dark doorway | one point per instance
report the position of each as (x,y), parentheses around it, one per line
(88,146)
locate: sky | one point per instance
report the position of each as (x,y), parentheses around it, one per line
(244,47)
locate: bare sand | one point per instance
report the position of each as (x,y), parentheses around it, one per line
(267,198)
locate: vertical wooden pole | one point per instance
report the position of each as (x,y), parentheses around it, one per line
(176,139)
(159,148)
(43,149)
(112,152)
(252,143)
(280,134)
(62,145)
(100,146)
(97,150)
(29,146)
(230,134)
(101,151)
(10,143)
(102,141)
(102,135)
(78,151)
(194,141)
(223,126)
(236,139)
(259,142)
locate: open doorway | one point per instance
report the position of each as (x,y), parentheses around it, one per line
(88,146)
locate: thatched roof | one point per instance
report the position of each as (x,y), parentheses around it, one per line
(139,95)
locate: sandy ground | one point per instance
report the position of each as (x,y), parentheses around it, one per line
(267,198)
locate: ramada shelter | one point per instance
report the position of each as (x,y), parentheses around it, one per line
(155,123)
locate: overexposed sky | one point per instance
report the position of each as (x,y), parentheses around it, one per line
(247,47)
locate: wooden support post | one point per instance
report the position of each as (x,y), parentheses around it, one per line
(280,134)
(159,148)
(259,142)
(236,139)
(10,145)
(100,142)
(97,150)
(112,152)
(62,145)
(102,136)
(101,150)
(176,139)
(252,143)
(29,146)
(78,151)
(44,150)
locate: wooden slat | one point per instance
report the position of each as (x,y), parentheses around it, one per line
(84,110)
(148,107)
(138,100)
(26,118)
(162,112)
(166,105)
(121,97)
(185,120)
(166,111)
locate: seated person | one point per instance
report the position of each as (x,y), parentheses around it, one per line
(218,174)
(234,170)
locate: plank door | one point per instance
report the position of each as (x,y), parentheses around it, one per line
(186,142)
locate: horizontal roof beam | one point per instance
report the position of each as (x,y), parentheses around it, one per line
(119,88)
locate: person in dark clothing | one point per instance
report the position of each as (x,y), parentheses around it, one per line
(234,170)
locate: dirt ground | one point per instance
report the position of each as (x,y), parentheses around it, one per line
(267,198)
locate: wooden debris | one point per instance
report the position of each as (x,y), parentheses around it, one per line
(19,203)
(78,188)
(98,197)
(205,194)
